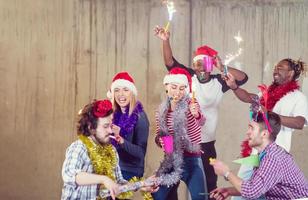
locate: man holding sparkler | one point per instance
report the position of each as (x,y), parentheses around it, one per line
(208,89)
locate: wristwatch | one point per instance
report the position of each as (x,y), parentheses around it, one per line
(226,175)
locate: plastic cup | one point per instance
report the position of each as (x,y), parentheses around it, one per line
(208,63)
(168,143)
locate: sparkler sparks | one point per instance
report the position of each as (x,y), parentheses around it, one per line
(230,57)
(171,10)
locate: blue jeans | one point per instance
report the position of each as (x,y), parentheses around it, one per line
(194,178)
(128,175)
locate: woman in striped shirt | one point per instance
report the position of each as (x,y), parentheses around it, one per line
(179,116)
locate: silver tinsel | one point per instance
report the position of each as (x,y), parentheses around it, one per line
(170,169)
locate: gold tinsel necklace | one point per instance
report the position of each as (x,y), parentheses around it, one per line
(104,161)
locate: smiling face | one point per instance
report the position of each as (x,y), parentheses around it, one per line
(198,67)
(176,91)
(122,96)
(282,73)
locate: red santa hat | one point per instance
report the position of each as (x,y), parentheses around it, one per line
(122,79)
(204,51)
(179,76)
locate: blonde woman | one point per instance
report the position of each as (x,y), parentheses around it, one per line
(130,125)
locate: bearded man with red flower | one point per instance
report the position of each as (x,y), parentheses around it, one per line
(91,163)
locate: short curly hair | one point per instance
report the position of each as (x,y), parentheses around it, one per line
(87,121)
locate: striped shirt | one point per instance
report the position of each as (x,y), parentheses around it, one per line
(278,177)
(193,126)
(77,160)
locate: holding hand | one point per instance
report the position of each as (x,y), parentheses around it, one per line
(161,33)
(111,186)
(220,168)
(220,193)
(218,63)
(116,130)
(194,109)
(154,187)
(230,80)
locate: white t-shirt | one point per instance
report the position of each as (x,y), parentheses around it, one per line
(293,104)
(208,95)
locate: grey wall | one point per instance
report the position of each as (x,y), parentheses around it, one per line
(55,56)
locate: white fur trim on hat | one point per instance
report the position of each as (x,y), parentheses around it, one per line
(198,57)
(124,83)
(177,78)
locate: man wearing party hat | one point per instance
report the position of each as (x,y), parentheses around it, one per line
(277,177)
(208,89)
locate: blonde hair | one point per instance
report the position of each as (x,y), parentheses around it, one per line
(132,103)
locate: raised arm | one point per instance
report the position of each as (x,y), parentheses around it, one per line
(167,51)
(240,93)
(239,76)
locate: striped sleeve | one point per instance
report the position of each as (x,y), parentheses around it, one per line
(193,129)
(157,129)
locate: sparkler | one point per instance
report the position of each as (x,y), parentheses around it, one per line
(230,57)
(193,99)
(171,10)
(112,137)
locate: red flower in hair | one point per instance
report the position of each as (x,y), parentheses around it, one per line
(101,108)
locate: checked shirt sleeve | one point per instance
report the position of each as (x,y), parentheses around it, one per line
(74,160)
(263,178)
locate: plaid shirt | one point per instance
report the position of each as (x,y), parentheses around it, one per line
(278,177)
(77,160)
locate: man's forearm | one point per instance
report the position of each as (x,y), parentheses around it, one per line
(238,75)
(232,191)
(293,122)
(84,178)
(243,95)
(236,182)
(167,53)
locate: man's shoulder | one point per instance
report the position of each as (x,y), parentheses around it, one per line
(296,93)
(276,152)
(294,96)
(77,144)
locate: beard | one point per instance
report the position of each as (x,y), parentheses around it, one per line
(202,77)
(102,141)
